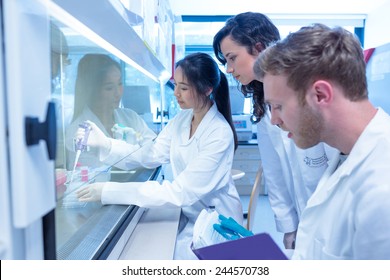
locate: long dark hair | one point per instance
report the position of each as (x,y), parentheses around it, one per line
(202,72)
(249,29)
(91,71)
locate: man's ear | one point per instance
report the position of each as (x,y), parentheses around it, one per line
(321,92)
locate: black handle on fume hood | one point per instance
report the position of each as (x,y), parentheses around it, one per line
(47,131)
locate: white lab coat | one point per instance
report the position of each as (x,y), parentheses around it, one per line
(201,169)
(291,174)
(348,216)
(123,116)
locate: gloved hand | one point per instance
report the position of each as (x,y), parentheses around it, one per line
(96,139)
(289,240)
(127,134)
(230,229)
(92,192)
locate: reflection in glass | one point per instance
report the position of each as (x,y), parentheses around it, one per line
(98,92)
(88,84)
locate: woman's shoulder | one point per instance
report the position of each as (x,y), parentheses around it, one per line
(182,115)
(218,125)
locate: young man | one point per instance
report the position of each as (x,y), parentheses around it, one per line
(315,84)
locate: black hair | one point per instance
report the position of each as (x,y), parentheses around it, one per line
(202,72)
(91,71)
(255,31)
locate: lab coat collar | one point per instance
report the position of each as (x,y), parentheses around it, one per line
(365,144)
(326,184)
(204,124)
(207,119)
(90,115)
(362,148)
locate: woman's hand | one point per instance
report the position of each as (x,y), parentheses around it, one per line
(92,192)
(96,139)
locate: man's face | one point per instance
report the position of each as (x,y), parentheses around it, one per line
(303,124)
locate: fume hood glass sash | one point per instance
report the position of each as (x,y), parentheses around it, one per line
(103,25)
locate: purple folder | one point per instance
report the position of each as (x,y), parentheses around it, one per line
(257,247)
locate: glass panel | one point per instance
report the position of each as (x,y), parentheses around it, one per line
(89,83)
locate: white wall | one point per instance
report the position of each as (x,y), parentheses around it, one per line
(376,27)
(296,7)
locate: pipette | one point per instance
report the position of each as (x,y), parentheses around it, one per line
(81,145)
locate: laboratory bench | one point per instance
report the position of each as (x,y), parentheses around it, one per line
(95,231)
(154,237)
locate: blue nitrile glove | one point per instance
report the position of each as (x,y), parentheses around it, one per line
(231,224)
(225,232)
(230,229)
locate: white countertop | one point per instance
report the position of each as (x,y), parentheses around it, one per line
(154,237)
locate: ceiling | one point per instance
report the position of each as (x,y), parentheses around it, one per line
(232,7)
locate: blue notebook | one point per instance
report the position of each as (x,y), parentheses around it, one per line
(257,247)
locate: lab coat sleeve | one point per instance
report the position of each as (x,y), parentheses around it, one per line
(118,153)
(152,154)
(209,171)
(139,125)
(286,217)
(120,150)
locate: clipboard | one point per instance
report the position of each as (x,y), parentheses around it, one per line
(257,247)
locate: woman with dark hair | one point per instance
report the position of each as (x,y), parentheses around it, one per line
(98,92)
(253,32)
(199,143)
(291,174)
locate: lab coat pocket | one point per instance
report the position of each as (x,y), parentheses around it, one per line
(320,252)
(313,163)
